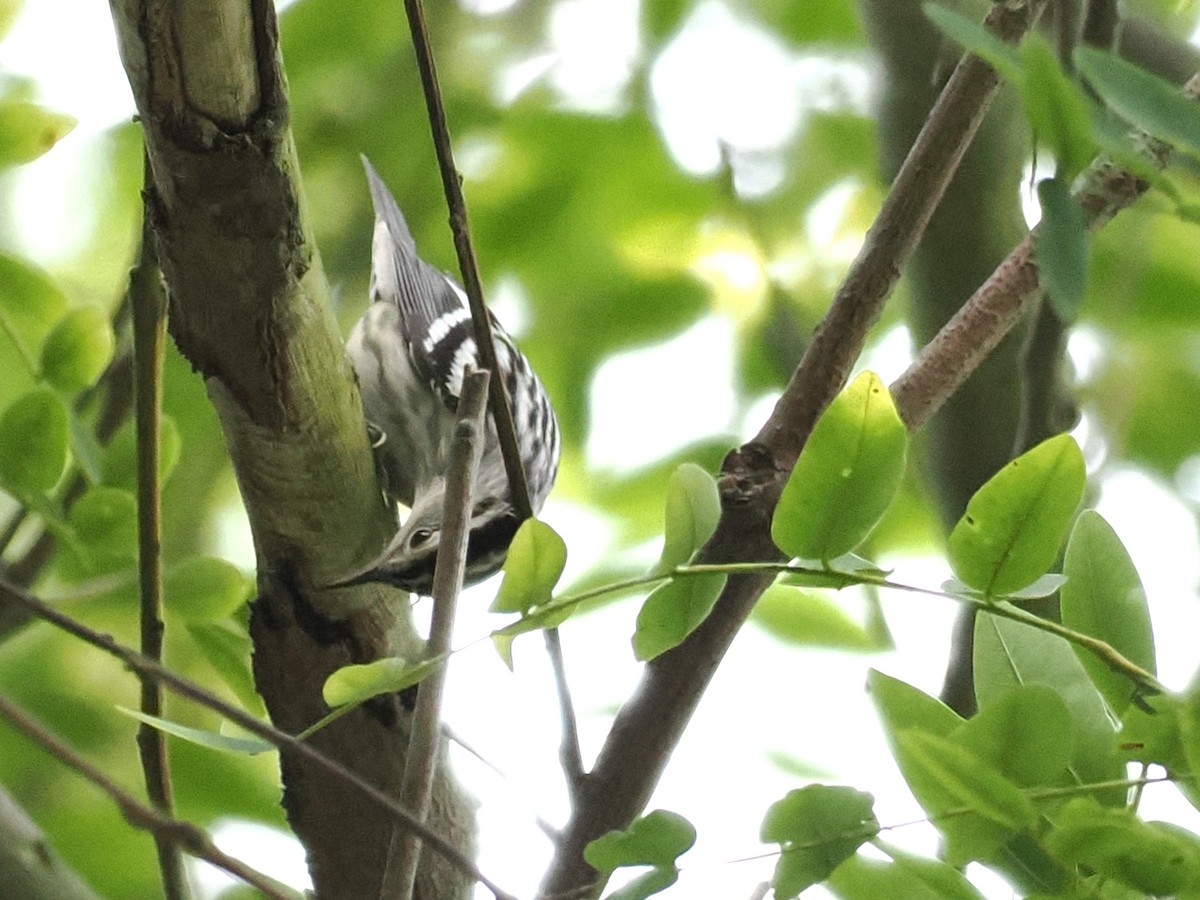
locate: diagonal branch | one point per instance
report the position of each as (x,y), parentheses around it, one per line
(165,829)
(328,768)
(650,724)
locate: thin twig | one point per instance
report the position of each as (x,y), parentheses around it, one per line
(149,327)
(570,754)
(424,742)
(165,829)
(184,688)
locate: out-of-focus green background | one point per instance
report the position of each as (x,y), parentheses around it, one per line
(695,175)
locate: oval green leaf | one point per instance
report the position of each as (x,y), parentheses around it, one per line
(535,562)
(846,476)
(950,776)
(78,350)
(28,130)
(1145,100)
(1061,248)
(1151,857)
(1009,654)
(656,839)
(1104,598)
(206,588)
(356,683)
(30,303)
(1014,525)
(817,828)
(1026,733)
(34,437)
(976,39)
(1055,106)
(693,509)
(105,519)
(673,611)
(910,876)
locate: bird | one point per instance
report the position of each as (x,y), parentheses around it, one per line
(410,350)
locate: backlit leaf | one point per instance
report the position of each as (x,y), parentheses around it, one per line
(532,568)
(846,476)
(693,508)
(673,611)
(1014,525)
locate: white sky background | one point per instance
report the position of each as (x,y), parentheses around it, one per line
(723,80)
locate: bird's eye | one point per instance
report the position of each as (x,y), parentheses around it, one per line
(420,536)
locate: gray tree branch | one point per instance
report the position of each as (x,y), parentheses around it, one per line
(249,309)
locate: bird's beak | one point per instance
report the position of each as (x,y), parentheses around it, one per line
(365,575)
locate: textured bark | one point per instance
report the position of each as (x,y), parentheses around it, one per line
(249,310)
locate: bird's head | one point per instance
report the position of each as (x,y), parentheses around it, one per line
(408,561)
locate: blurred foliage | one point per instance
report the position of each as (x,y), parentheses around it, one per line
(597,237)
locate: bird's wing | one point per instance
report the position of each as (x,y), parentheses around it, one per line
(432,308)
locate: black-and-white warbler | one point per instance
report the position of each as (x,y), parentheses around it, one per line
(410,349)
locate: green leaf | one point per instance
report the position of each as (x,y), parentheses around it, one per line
(1015,524)
(78,350)
(907,876)
(1147,101)
(1009,655)
(952,777)
(118,460)
(105,520)
(946,776)
(846,476)
(28,130)
(693,509)
(210,739)
(1056,108)
(817,828)
(656,839)
(977,40)
(227,648)
(647,884)
(901,705)
(1103,597)
(810,620)
(30,304)
(356,683)
(1153,857)
(1061,248)
(673,611)
(34,436)
(1026,733)
(532,568)
(206,588)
